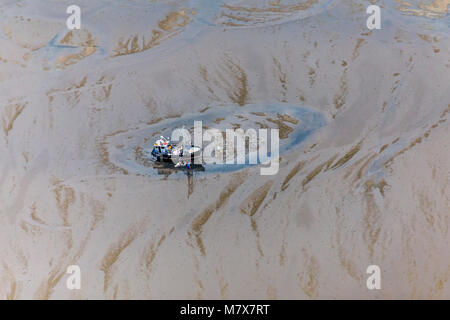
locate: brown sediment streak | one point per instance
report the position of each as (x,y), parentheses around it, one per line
(372,215)
(315,172)
(330,162)
(115,251)
(170,26)
(284,129)
(308,278)
(235,17)
(283,254)
(281,76)
(438,6)
(223,287)
(418,140)
(234,80)
(340,98)
(150,254)
(102,90)
(205,77)
(103,153)
(262,125)
(345,259)
(354,165)
(98,212)
(276,7)
(251,205)
(444,113)
(439,284)
(140,157)
(34,216)
(291,174)
(174,115)
(427,38)
(348,156)
(65,196)
(82,38)
(259,114)
(86,42)
(154,121)
(230,77)
(13,293)
(73,89)
(384,147)
(425,207)
(232,24)
(365,164)
(359,43)
(287,118)
(104,158)
(312,75)
(241,117)
(200,221)
(437,9)
(412,274)
(46,288)
(10,115)
(388,162)
(72,93)
(54,276)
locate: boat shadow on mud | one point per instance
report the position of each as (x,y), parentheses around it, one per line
(166,168)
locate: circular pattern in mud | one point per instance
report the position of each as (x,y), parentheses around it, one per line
(130,150)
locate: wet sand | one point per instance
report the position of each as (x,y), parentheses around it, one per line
(368,186)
